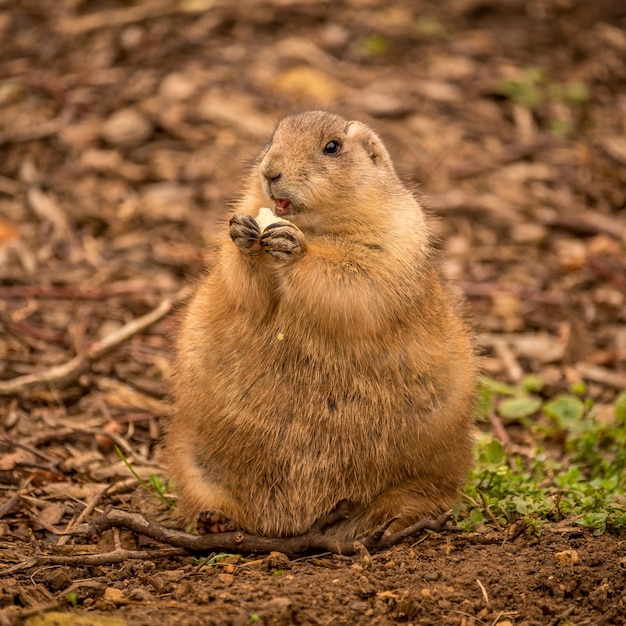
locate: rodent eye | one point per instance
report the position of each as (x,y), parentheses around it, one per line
(332,147)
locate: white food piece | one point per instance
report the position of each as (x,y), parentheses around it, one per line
(266,217)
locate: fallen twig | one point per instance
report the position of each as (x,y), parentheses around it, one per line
(119,555)
(116,17)
(88,510)
(122,288)
(436,525)
(38,131)
(489,290)
(313,541)
(601,375)
(72,369)
(587,223)
(611,270)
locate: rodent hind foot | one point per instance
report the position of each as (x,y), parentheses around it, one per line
(210,522)
(339,514)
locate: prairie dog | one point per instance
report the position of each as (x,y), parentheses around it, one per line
(322,359)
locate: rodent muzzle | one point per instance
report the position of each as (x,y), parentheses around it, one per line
(271,177)
(270,172)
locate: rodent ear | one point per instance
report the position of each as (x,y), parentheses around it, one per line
(370,141)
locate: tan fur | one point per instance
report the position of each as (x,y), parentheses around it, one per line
(339,370)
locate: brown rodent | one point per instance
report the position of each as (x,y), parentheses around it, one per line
(322,360)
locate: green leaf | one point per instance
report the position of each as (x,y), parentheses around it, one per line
(142,482)
(565,410)
(575,93)
(578,389)
(526,91)
(484,402)
(532,383)
(218,557)
(620,408)
(516,408)
(375,44)
(158,483)
(494,453)
(72,598)
(495,386)
(559,126)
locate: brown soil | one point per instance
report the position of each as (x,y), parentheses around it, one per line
(124,132)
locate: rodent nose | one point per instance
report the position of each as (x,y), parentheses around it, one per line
(272,176)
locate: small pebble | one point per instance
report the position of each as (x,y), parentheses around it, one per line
(566,558)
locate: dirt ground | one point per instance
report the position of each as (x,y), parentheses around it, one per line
(125,128)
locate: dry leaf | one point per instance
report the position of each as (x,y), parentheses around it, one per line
(235,111)
(126,128)
(615,147)
(177,86)
(9,460)
(47,209)
(306,83)
(52,513)
(8,232)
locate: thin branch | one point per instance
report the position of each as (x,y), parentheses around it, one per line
(119,555)
(490,290)
(587,223)
(509,154)
(88,510)
(133,327)
(121,288)
(239,542)
(484,591)
(602,375)
(436,525)
(116,17)
(38,131)
(73,368)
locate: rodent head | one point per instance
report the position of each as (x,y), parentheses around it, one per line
(318,166)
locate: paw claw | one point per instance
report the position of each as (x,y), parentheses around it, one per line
(245,233)
(210,522)
(282,241)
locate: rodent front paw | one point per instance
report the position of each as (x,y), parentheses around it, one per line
(283,241)
(245,233)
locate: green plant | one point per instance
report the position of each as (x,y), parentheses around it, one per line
(212,559)
(72,598)
(375,45)
(576,467)
(533,90)
(527,89)
(158,486)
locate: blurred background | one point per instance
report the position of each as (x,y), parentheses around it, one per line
(126,128)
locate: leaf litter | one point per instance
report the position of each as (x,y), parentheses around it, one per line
(124,132)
